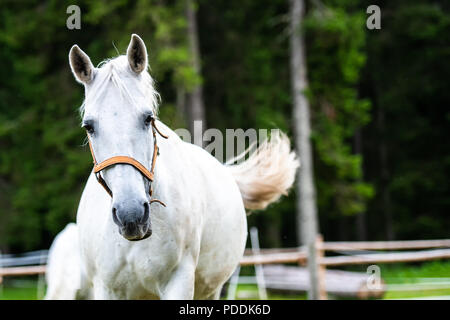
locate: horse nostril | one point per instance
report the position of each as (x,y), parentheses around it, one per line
(115,218)
(146,213)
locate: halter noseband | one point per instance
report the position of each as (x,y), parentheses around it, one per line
(98,167)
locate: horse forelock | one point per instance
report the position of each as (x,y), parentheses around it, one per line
(114,71)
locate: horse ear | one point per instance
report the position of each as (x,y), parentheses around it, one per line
(137,54)
(81,65)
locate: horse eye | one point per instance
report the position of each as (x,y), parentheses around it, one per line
(148,119)
(89,128)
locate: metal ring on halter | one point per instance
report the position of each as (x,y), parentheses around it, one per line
(149,174)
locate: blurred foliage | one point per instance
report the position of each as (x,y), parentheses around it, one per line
(406,77)
(353,72)
(335,57)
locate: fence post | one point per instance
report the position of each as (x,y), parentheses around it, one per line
(313,292)
(316,270)
(1,277)
(232,286)
(321,274)
(258,267)
(40,292)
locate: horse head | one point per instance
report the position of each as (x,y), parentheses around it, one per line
(118,115)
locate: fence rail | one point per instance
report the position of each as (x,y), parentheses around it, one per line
(386,245)
(272,258)
(393,257)
(365,245)
(22,271)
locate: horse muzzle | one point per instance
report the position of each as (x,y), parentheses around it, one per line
(133,220)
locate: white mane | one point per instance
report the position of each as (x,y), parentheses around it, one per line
(116,70)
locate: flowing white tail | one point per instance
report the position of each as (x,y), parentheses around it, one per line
(267,174)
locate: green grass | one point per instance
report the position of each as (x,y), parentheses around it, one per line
(410,274)
(11,293)
(19,288)
(250,292)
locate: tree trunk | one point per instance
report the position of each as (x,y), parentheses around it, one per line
(361,221)
(361,226)
(307,225)
(194,99)
(181,100)
(342,226)
(306,201)
(384,174)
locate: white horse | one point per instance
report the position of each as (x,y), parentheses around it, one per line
(64,274)
(187,250)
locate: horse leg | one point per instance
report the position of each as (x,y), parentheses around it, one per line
(102,292)
(215,295)
(181,283)
(84,292)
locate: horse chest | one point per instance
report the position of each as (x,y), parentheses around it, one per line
(133,269)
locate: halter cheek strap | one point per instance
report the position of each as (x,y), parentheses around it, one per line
(149,174)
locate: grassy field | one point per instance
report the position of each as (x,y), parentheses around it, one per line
(423,273)
(24,288)
(399,274)
(12,293)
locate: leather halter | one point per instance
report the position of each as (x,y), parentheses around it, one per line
(149,174)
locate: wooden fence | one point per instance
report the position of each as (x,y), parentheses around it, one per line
(435,249)
(30,263)
(299,255)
